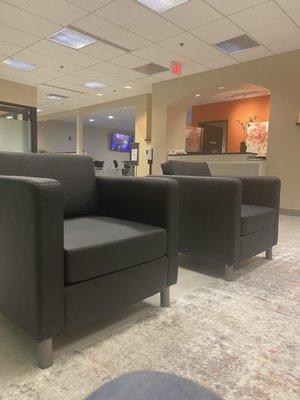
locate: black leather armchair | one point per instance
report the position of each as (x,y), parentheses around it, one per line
(225,219)
(74,247)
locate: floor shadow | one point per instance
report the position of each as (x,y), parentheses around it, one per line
(216,269)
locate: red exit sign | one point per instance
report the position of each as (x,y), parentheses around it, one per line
(176,68)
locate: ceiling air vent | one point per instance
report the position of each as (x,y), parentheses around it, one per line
(151,69)
(237,44)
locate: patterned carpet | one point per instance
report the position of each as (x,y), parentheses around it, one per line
(237,339)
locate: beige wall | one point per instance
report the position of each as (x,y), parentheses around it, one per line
(17,93)
(279,74)
(142,105)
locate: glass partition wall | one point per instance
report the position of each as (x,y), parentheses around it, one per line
(18,128)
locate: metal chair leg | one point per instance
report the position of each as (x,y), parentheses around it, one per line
(229,274)
(269,253)
(165,297)
(45,353)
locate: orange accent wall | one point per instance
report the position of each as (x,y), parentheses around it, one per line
(233,110)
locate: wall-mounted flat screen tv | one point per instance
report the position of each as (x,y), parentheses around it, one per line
(121,142)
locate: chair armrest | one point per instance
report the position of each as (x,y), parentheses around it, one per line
(263,191)
(210,217)
(31,251)
(145,200)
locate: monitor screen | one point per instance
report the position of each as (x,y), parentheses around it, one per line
(121,142)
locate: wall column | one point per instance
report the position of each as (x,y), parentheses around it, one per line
(79,133)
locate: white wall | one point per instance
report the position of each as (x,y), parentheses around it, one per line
(59,137)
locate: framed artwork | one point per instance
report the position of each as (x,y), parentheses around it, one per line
(257,137)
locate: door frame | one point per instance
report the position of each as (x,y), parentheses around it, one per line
(33,120)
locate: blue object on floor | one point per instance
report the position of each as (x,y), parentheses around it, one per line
(151,386)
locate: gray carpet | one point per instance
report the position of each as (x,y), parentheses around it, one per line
(237,339)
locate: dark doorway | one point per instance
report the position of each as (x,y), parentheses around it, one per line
(214,136)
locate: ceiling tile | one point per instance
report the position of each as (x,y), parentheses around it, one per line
(148,81)
(48,61)
(90,5)
(166,75)
(7,12)
(102,51)
(46,72)
(259,17)
(231,6)
(128,61)
(97,26)
(193,47)
(93,75)
(156,29)
(116,70)
(9,49)
(194,69)
(33,24)
(276,33)
(217,31)
(161,56)
(20,3)
(64,53)
(126,13)
(285,45)
(220,62)
(252,54)
(191,14)
(130,40)
(292,7)
(58,11)
(14,36)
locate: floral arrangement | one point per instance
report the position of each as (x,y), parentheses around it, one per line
(245,126)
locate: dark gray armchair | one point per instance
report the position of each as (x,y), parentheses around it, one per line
(225,219)
(74,247)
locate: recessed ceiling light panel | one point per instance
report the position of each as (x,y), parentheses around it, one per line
(110,117)
(53,96)
(18,64)
(237,44)
(94,85)
(161,5)
(71,38)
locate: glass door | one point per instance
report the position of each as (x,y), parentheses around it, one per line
(18,126)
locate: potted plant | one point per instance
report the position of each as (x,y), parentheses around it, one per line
(245,126)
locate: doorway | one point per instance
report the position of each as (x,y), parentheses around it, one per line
(214,136)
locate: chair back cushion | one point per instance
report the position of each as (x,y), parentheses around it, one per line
(74,172)
(173,167)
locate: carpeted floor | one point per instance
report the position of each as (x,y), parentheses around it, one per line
(237,339)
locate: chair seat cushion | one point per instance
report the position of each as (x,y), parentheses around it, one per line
(255,218)
(95,246)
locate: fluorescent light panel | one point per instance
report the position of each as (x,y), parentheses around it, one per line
(94,85)
(53,96)
(237,44)
(161,5)
(21,65)
(71,38)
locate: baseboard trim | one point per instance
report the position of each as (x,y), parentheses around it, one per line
(287,211)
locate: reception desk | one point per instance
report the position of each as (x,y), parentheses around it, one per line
(233,164)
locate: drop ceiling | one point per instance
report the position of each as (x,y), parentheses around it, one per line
(150,37)
(124,119)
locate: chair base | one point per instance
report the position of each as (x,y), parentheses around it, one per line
(45,354)
(165,297)
(269,253)
(229,273)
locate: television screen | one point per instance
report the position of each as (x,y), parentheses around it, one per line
(121,142)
